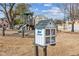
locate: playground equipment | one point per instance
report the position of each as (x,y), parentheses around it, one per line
(27,22)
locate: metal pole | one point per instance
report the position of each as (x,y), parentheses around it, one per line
(36,51)
(45,51)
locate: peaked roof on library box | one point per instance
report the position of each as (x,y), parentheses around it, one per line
(43,23)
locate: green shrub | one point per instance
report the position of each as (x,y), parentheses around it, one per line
(18,21)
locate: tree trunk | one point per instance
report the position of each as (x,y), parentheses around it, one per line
(72,29)
(64,26)
(3,32)
(11,25)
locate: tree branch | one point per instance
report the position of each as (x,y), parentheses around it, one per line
(11,6)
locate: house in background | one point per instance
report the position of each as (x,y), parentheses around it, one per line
(39,18)
(68,26)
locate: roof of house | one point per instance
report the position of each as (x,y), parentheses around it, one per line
(43,23)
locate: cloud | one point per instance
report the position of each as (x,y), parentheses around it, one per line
(53,12)
(44,10)
(34,9)
(47,5)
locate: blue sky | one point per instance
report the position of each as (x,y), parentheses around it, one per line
(1,15)
(50,10)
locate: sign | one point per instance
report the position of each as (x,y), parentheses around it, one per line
(39,32)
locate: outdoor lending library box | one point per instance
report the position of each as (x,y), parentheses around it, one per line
(45,32)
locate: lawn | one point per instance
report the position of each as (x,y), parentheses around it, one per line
(14,45)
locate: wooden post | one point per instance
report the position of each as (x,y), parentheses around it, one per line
(22,32)
(45,51)
(36,51)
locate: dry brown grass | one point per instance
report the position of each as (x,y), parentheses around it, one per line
(13,44)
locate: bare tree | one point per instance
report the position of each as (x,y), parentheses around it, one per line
(7,10)
(72,11)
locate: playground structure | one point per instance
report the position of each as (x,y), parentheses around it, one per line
(27,26)
(27,23)
(28,20)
